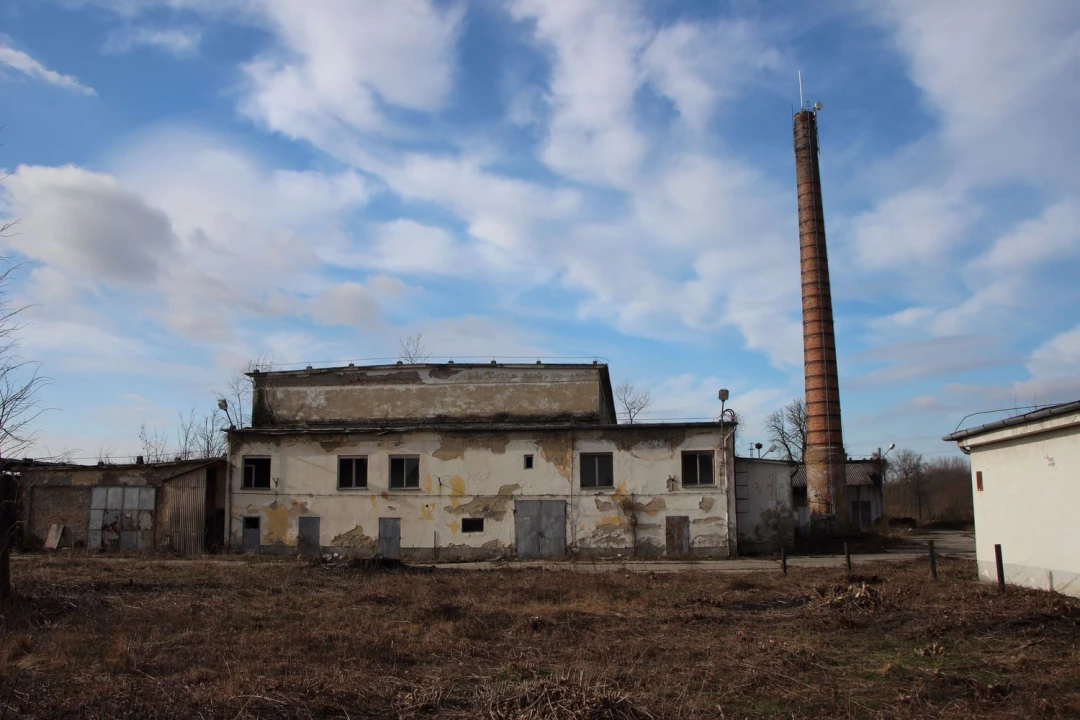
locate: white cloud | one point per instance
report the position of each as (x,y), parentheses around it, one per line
(178,41)
(699,65)
(339,60)
(347,303)
(911,229)
(1058,358)
(86,225)
(23,63)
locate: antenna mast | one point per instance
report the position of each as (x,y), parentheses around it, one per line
(802,105)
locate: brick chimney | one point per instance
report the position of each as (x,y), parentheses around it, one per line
(826,475)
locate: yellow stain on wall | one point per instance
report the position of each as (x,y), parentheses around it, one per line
(611,520)
(372,498)
(452,527)
(425,513)
(427,484)
(457,490)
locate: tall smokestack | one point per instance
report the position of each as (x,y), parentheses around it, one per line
(826,475)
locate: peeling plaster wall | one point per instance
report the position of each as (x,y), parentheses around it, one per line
(430,392)
(765,513)
(483,475)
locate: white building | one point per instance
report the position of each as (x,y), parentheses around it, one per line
(1026,487)
(467,461)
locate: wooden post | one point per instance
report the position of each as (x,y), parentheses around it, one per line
(847,557)
(1000,568)
(933,561)
(783,560)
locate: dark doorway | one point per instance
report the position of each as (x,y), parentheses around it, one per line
(678,536)
(308,542)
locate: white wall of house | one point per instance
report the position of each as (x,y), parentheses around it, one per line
(1028,502)
(482,474)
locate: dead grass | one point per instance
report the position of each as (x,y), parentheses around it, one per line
(287,639)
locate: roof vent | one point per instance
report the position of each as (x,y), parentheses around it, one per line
(308,367)
(400,362)
(494,363)
(139,460)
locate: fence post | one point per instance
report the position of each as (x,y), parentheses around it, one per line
(933,561)
(847,557)
(1000,568)
(783,560)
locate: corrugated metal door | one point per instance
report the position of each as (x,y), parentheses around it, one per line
(186,497)
(308,542)
(390,538)
(678,535)
(552,528)
(742,499)
(121,517)
(252,537)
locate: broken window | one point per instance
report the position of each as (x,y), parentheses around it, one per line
(352,473)
(256,472)
(404,472)
(596,470)
(471,525)
(697,468)
(528,462)
(251,523)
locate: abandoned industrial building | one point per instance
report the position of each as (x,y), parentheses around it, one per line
(468,461)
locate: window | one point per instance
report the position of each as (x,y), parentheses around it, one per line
(404,472)
(978,480)
(596,470)
(528,462)
(351,473)
(471,525)
(251,523)
(697,468)
(256,472)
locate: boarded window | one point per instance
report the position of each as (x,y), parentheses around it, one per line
(352,473)
(404,472)
(596,470)
(697,468)
(471,525)
(528,462)
(978,480)
(256,472)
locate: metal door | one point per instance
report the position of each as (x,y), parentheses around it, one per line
(678,535)
(552,528)
(252,537)
(390,538)
(527,519)
(309,543)
(540,528)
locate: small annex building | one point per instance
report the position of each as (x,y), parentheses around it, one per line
(1025,475)
(459,461)
(178,506)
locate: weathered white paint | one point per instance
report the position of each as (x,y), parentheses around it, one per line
(1028,504)
(462,392)
(765,513)
(482,474)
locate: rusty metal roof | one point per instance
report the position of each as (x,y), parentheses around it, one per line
(859,474)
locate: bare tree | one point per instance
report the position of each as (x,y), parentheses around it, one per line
(786,429)
(633,401)
(155,445)
(20,379)
(235,401)
(907,470)
(413,350)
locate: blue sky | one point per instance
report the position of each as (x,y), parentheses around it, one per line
(202,182)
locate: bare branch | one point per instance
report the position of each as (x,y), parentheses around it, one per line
(633,401)
(412,349)
(786,428)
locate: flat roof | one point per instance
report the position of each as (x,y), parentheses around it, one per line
(596,365)
(1033,416)
(479,427)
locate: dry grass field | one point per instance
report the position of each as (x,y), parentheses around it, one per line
(147,638)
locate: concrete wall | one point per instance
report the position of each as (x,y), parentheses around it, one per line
(433,392)
(765,513)
(1028,504)
(482,474)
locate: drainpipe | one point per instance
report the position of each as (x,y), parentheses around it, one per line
(228,489)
